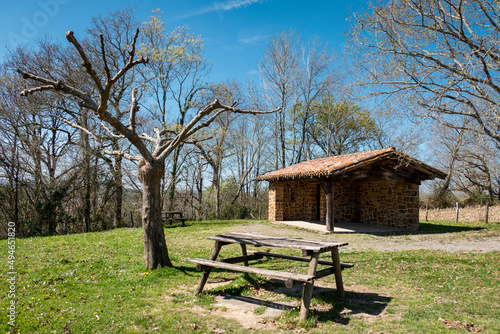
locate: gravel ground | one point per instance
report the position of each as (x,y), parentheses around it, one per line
(469,241)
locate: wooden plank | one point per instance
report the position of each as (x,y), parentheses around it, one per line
(244,258)
(277,241)
(252,270)
(343,265)
(325,272)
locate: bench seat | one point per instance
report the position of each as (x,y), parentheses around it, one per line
(290,279)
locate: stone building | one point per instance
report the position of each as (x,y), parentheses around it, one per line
(376,187)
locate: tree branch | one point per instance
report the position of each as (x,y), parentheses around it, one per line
(86,63)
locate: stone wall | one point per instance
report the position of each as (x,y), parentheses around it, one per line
(292,200)
(386,203)
(394,204)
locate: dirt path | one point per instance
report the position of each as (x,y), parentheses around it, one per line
(470,241)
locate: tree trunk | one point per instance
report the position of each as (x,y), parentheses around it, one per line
(85,144)
(173,179)
(155,247)
(118,179)
(216,185)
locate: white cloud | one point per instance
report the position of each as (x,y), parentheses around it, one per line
(254,39)
(221,7)
(252,72)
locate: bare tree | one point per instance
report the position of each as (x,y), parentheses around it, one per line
(442,55)
(218,148)
(176,68)
(280,72)
(478,167)
(117,28)
(149,151)
(318,78)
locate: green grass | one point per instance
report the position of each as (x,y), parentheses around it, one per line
(96,283)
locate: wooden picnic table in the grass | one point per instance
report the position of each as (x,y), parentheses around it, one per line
(170,216)
(311,249)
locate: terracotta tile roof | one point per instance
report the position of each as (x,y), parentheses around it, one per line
(340,164)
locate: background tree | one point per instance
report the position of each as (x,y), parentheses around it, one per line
(340,127)
(478,169)
(215,150)
(317,80)
(172,80)
(442,55)
(280,72)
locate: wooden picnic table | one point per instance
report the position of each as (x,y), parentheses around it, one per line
(170,216)
(311,249)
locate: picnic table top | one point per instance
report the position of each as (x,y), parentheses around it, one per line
(172,212)
(258,239)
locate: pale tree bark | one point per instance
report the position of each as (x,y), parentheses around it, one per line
(85,144)
(155,248)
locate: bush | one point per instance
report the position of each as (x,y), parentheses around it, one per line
(477,197)
(441,200)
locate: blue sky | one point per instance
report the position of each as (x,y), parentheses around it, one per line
(235,32)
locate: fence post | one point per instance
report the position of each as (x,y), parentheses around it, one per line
(131,219)
(456,218)
(487,212)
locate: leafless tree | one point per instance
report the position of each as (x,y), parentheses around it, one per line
(150,151)
(280,73)
(173,79)
(441,55)
(318,78)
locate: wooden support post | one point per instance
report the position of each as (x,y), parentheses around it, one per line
(328,190)
(308,287)
(457,212)
(330,207)
(244,253)
(131,219)
(338,272)
(206,272)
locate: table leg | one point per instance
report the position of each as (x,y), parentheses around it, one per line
(308,287)
(338,272)
(244,253)
(206,272)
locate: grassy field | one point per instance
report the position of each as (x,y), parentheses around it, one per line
(96,283)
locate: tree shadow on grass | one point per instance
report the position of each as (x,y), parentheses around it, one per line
(434,228)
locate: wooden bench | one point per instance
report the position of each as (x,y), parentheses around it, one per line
(311,248)
(168,217)
(291,279)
